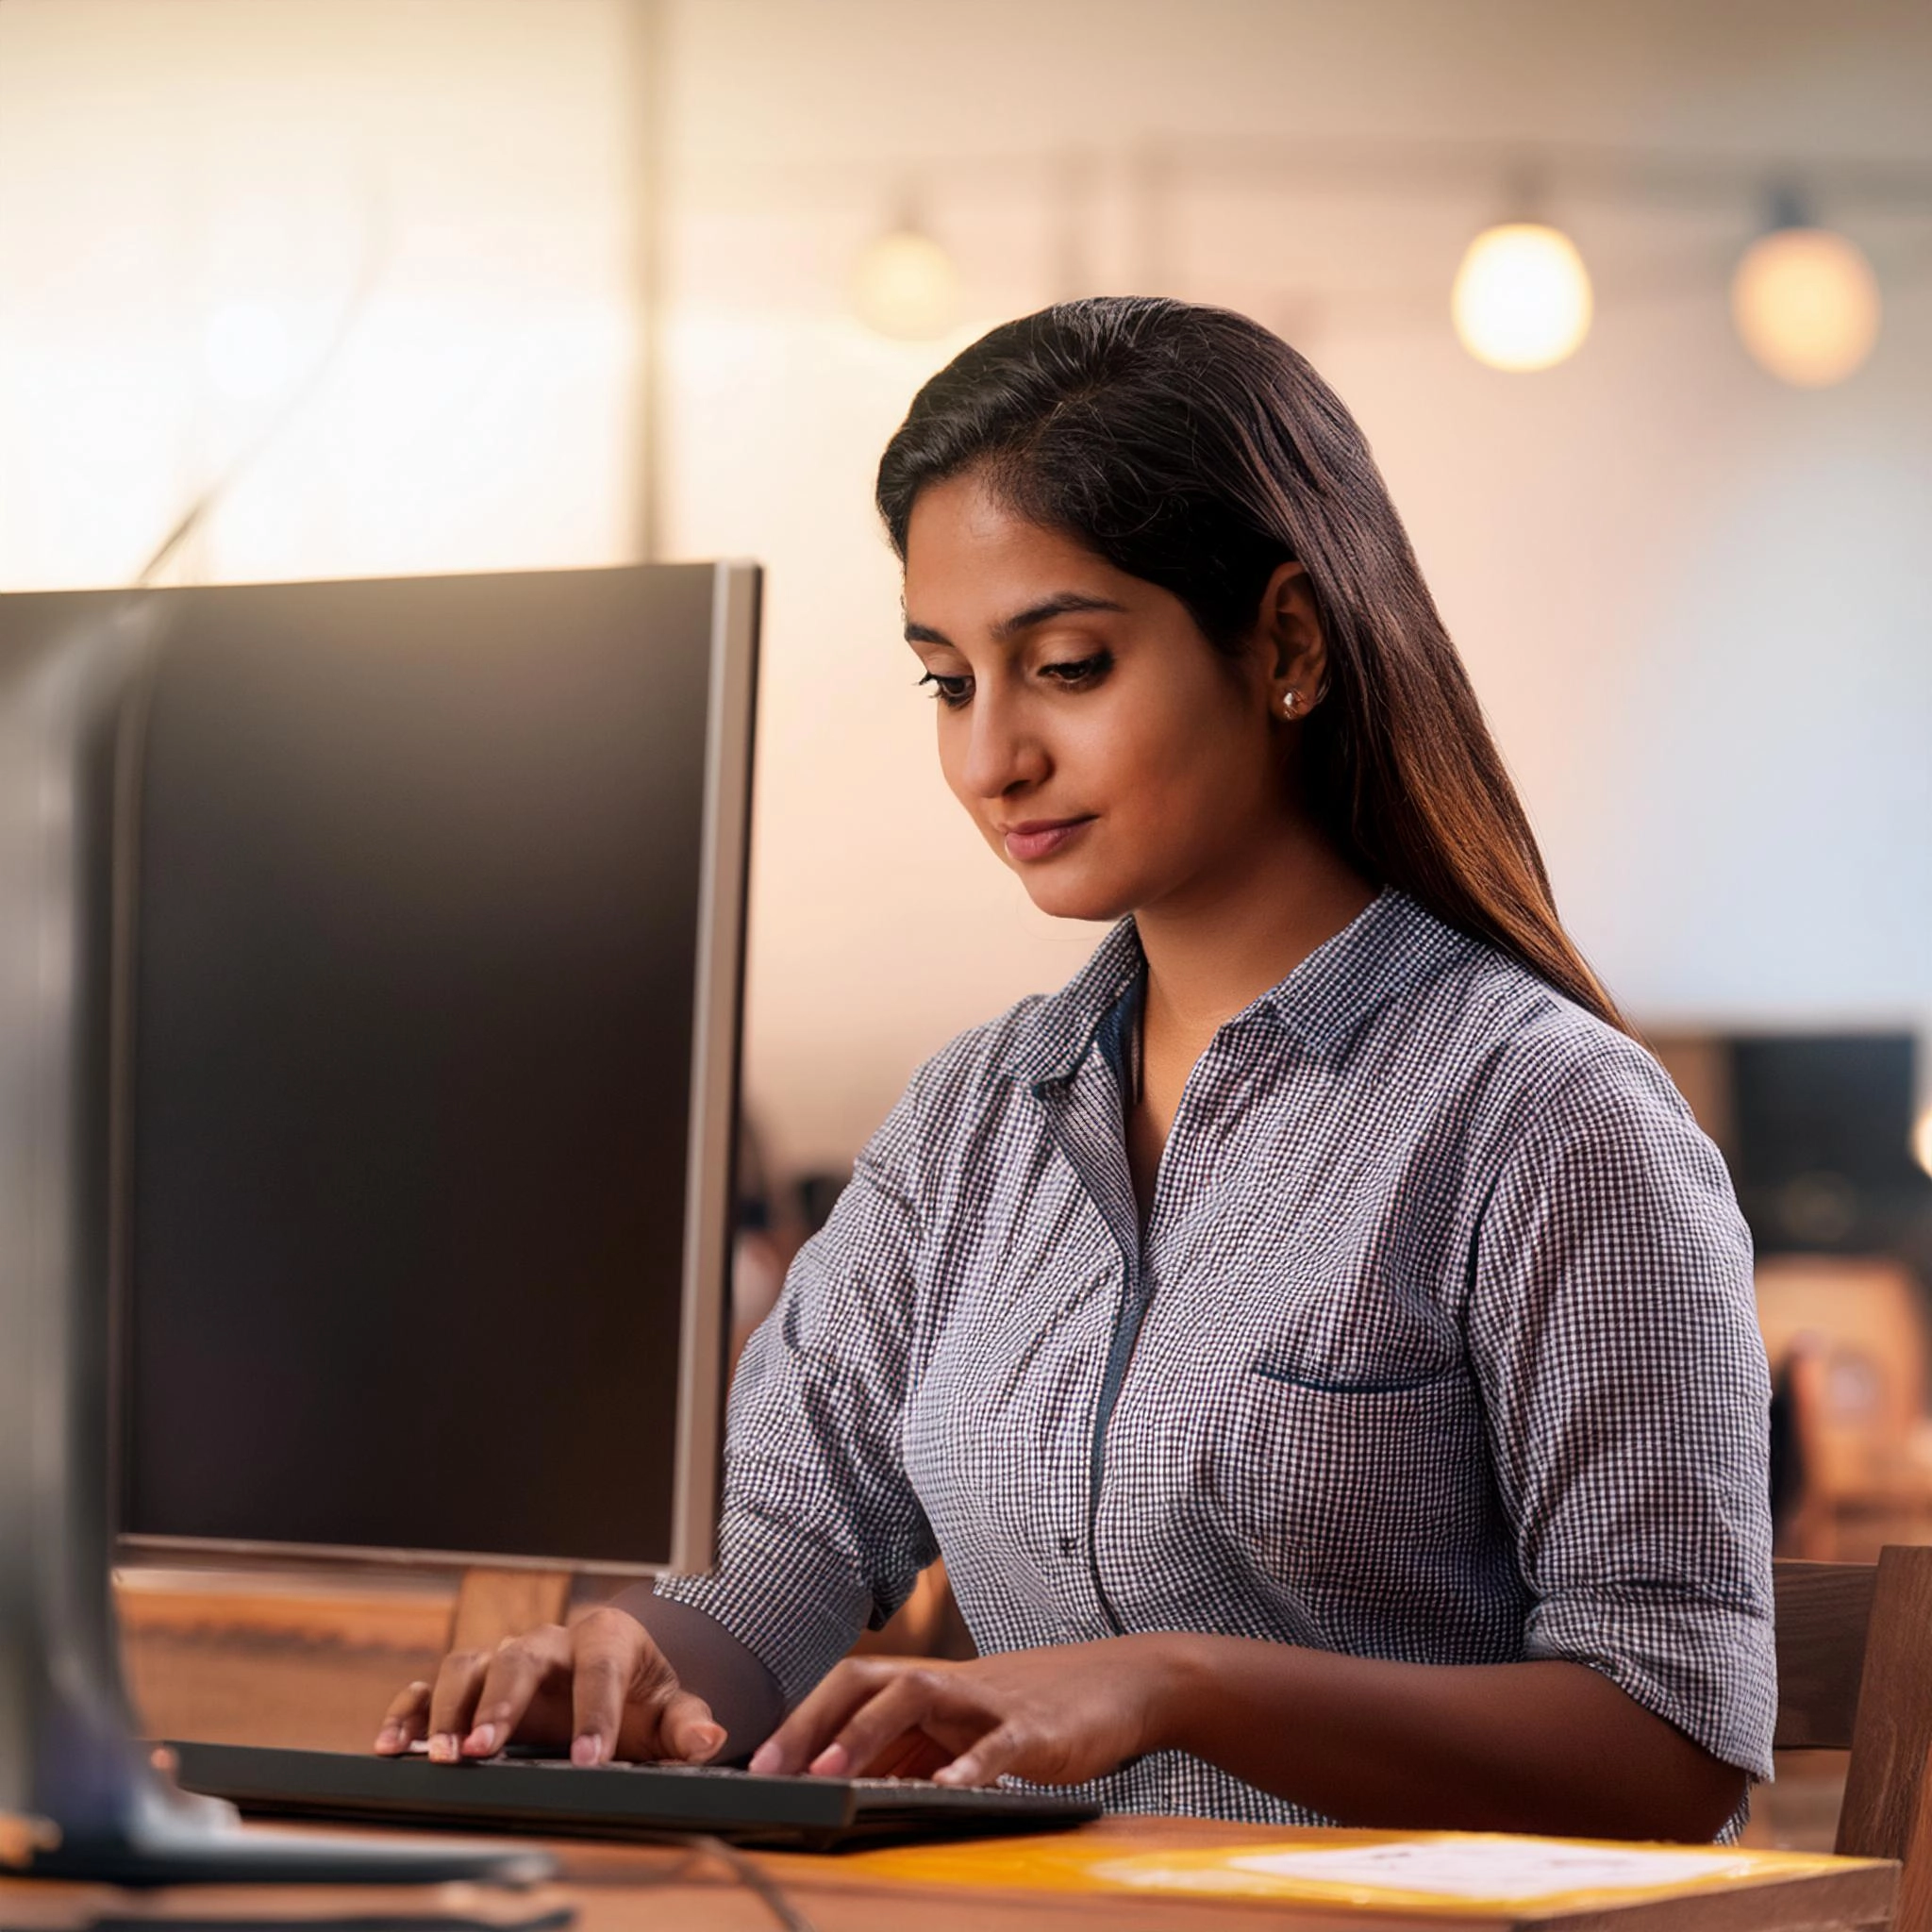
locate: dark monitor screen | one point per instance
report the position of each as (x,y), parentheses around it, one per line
(433,984)
(1821,1141)
(1837,1103)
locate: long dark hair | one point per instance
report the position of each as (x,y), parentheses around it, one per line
(1192,448)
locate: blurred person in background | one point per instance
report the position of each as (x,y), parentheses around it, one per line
(1319,1339)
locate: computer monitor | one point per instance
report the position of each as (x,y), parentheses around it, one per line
(1821,1139)
(432,987)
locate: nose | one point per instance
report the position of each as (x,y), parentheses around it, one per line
(1004,755)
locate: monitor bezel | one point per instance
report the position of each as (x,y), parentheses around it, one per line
(711,1147)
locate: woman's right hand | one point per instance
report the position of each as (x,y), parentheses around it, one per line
(599,1685)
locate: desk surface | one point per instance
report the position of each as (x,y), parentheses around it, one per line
(614,1888)
(244,1667)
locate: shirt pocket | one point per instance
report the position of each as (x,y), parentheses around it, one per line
(1352,1345)
(1394,1376)
(1365,1486)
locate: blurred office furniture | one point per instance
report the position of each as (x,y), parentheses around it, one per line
(1820,1132)
(1846,1335)
(1817,1130)
(1851,1675)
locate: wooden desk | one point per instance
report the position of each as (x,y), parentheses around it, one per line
(246,1660)
(617,1888)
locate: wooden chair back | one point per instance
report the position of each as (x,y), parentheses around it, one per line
(1854,1674)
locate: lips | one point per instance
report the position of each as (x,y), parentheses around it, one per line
(1035,838)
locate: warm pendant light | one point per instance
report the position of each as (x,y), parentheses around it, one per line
(1522,298)
(904,284)
(1805,301)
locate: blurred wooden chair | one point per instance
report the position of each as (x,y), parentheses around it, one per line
(1848,1335)
(1854,1673)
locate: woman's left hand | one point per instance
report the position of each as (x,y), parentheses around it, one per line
(1057,1716)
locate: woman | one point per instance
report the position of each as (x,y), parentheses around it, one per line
(1318,1338)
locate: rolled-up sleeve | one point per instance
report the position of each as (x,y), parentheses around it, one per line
(1613,1331)
(820,1533)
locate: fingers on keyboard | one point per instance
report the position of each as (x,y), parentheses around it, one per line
(406,1720)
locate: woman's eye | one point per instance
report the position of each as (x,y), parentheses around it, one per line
(951,692)
(1080,671)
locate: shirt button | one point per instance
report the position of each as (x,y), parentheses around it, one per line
(1069,1544)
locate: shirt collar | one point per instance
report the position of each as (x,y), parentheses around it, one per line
(1389,945)
(1054,1035)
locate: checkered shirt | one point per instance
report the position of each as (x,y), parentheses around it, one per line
(1439,1346)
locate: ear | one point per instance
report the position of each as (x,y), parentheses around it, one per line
(1289,642)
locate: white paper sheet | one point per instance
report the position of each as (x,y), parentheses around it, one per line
(1512,1868)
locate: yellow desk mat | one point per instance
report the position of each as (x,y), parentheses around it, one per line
(1476,1874)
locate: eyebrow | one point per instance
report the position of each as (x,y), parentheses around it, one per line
(1061,604)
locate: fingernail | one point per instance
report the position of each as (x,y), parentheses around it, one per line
(390,1738)
(442,1748)
(764,1759)
(831,1763)
(481,1741)
(707,1741)
(587,1749)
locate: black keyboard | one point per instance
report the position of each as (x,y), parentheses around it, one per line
(556,1798)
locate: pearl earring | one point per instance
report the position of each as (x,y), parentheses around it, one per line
(1288,705)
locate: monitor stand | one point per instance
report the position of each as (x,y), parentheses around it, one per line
(174,1845)
(79,1799)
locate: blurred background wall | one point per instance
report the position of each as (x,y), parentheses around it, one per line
(204,204)
(1689,595)
(577,278)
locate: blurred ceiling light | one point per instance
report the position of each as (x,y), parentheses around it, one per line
(246,349)
(1805,301)
(905,285)
(1521,297)
(1921,1141)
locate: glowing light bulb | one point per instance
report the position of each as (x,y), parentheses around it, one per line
(246,350)
(1806,304)
(1522,298)
(905,285)
(1921,1141)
